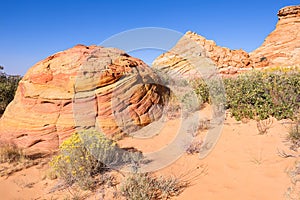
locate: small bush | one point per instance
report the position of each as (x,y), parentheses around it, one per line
(201,89)
(294,133)
(87,154)
(8,87)
(264,125)
(194,147)
(145,186)
(75,164)
(10,153)
(15,157)
(293,192)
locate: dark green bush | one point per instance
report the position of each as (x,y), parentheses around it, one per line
(8,87)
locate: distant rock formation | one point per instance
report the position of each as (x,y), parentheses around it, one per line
(282,46)
(227,61)
(113,92)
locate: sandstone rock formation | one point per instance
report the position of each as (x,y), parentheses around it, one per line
(282,46)
(184,59)
(81,87)
(227,61)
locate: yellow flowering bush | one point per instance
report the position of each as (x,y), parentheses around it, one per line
(86,154)
(75,163)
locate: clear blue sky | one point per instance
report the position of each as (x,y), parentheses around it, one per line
(31,30)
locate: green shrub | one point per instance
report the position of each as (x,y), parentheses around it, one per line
(257,95)
(201,89)
(145,186)
(8,87)
(263,94)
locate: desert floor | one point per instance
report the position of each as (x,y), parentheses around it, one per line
(243,165)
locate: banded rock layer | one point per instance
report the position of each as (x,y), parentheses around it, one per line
(81,87)
(282,46)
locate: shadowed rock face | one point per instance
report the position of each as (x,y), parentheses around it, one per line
(81,87)
(282,46)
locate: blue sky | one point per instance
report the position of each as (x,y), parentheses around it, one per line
(31,30)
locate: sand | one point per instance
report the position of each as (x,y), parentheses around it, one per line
(243,165)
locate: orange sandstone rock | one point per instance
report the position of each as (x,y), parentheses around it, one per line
(282,46)
(81,87)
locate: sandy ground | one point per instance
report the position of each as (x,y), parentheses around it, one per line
(243,165)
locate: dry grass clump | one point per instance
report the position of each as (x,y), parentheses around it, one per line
(10,153)
(194,147)
(146,186)
(293,191)
(294,132)
(264,125)
(13,159)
